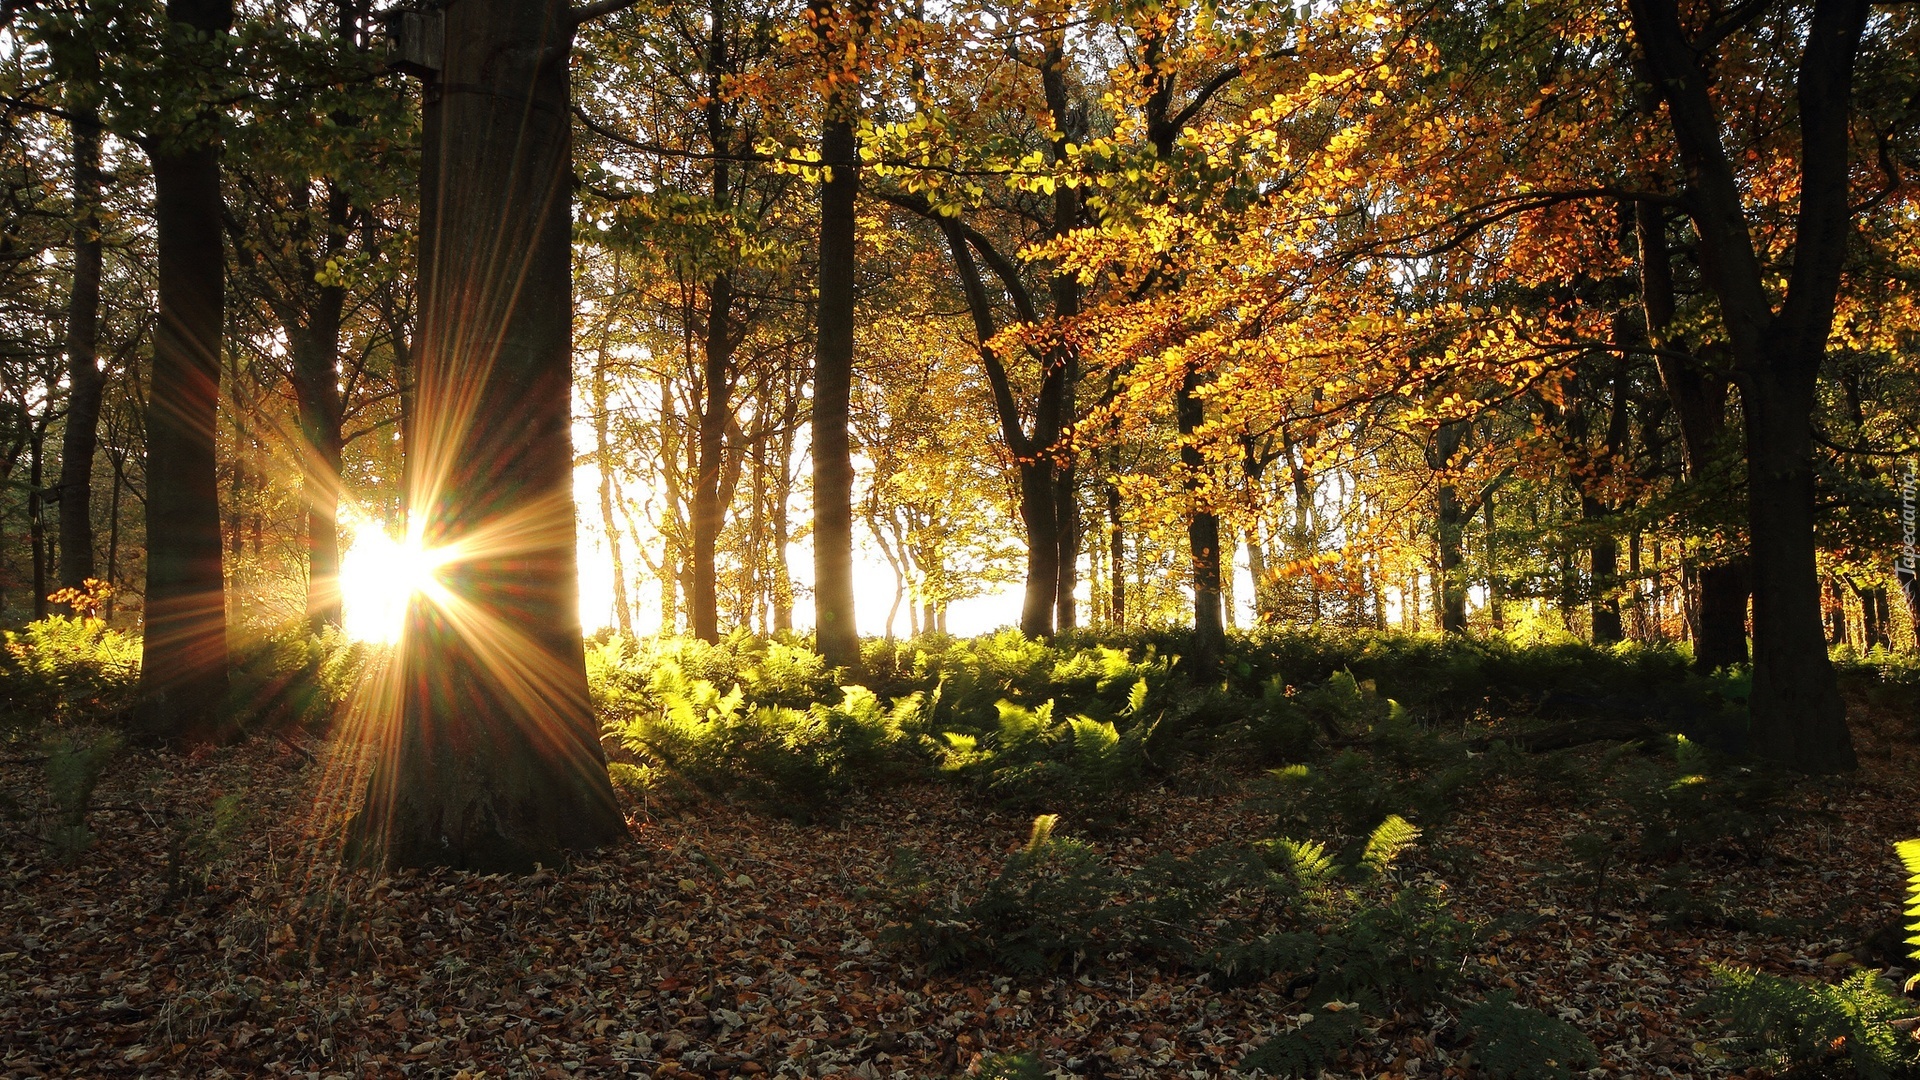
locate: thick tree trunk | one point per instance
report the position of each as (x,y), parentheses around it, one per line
(85,382)
(1066,513)
(1798,717)
(1203,535)
(183,667)
(1042,521)
(834,628)
(495,764)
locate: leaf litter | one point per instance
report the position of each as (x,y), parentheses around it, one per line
(726,943)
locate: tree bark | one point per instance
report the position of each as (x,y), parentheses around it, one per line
(37,512)
(183,667)
(1203,534)
(314,348)
(1718,615)
(85,381)
(603,457)
(495,764)
(1117,555)
(709,510)
(1798,717)
(834,627)
(1450,594)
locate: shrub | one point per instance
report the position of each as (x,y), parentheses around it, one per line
(797,762)
(297,676)
(73,771)
(1047,907)
(63,668)
(1031,760)
(1305,1050)
(1860,1026)
(1513,1042)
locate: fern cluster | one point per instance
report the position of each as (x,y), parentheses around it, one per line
(1031,759)
(1862,1026)
(1859,1027)
(797,762)
(63,668)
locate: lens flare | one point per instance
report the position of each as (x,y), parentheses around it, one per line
(378,575)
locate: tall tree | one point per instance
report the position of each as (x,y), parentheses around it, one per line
(86,383)
(495,763)
(840,32)
(1798,717)
(183,666)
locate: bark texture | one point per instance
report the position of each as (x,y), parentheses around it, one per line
(835,631)
(495,764)
(1798,717)
(85,382)
(183,666)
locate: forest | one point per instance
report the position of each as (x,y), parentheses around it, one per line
(1002,538)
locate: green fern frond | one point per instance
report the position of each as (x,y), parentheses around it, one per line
(1909,852)
(1093,741)
(1389,840)
(1042,834)
(1309,1048)
(1136,699)
(1811,1024)
(1021,726)
(1513,1042)
(1306,861)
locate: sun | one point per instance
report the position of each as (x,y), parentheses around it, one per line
(378,576)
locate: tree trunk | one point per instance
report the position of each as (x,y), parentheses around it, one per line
(1798,717)
(495,764)
(37,513)
(113,533)
(1117,555)
(834,628)
(1450,593)
(85,382)
(603,457)
(1203,534)
(183,665)
(1066,512)
(1699,399)
(1496,590)
(709,511)
(315,350)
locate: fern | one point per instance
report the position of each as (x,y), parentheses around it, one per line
(1861,1022)
(1513,1042)
(1306,861)
(1309,1048)
(1389,840)
(1909,852)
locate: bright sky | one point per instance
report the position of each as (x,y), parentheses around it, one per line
(378,574)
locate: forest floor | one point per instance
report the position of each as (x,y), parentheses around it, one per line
(723,942)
